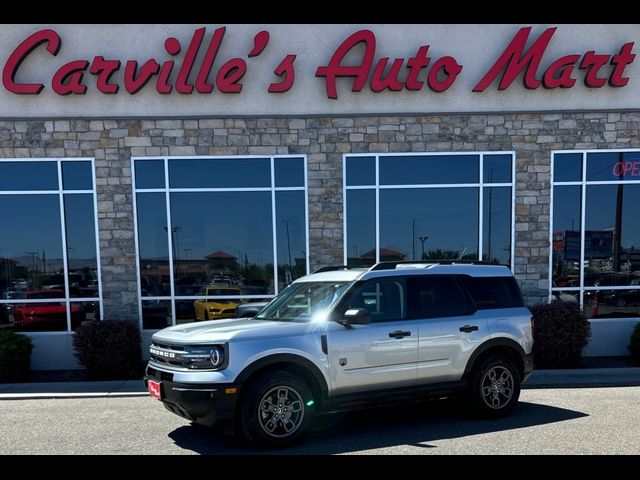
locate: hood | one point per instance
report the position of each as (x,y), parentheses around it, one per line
(233,329)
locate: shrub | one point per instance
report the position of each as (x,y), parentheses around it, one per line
(634,345)
(561,331)
(15,356)
(109,349)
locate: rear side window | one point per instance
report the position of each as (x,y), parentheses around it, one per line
(434,296)
(494,292)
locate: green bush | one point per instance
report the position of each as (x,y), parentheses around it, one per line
(15,356)
(109,349)
(561,331)
(634,345)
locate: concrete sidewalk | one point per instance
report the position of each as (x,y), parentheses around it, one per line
(574,378)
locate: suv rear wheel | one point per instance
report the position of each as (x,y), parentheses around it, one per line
(495,386)
(276,410)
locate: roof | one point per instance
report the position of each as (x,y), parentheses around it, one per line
(219,254)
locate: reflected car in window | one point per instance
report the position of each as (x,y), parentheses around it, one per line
(48,315)
(216,308)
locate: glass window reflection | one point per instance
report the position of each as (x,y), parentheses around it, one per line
(497,168)
(361,228)
(567,167)
(81,245)
(429,169)
(361,170)
(291,237)
(223,237)
(610,166)
(429,224)
(153,244)
(289,172)
(566,236)
(220,173)
(24,175)
(149,173)
(496,229)
(77,176)
(156,314)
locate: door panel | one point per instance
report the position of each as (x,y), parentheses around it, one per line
(378,355)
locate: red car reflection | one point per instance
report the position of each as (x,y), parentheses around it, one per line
(48,315)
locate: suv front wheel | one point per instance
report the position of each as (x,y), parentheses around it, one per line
(276,410)
(495,386)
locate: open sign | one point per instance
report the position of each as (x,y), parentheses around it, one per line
(626,169)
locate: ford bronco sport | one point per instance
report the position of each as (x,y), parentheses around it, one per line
(340,338)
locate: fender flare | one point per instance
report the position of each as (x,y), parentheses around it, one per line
(489,344)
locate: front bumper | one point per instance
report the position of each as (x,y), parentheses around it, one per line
(206,404)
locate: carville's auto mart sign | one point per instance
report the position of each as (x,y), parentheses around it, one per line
(140,70)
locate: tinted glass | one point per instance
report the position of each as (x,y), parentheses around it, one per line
(149,173)
(84,311)
(566,236)
(497,168)
(493,292)
(567,167)
(289,172)
(432,296)
(35,317)
(429,224)
(496,229)
(361,227)
(156,314)
(384,299)
(613,166)
(152,244)
(361,171)
(423,169)
(291,237)
(612,234)
(77,176)
(225,237)
(220,173)
(613,303)
(20,176)
(81,245)
(31,245)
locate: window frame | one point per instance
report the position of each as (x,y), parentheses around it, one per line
(583,183)
(481,185)
(61,192)
(172,298)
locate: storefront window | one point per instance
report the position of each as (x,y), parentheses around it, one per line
(428,207)
(217,232)
(49,269)
(596,231)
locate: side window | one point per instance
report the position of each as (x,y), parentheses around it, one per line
(432,296)
(386,299)
(494,292)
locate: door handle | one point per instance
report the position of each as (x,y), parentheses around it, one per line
(399,334)
(469,328)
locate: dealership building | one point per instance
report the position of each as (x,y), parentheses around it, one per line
(163,174)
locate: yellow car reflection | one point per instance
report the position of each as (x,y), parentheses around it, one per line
(216,308)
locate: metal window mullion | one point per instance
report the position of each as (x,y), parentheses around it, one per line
(274,227)
(169,240)
(583,205)
(481,209)
(97,229)
(306,210)
(377,208)
(345,258)
(136,240)
(551,190)
(63,227)
(513,212)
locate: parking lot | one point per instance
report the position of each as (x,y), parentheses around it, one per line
(547,421)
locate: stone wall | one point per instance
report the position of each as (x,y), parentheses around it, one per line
(325,140)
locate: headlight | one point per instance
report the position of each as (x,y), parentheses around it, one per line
(205,357)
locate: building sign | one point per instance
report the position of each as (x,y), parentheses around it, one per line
(317,69)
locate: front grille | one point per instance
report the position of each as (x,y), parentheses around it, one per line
(165,354)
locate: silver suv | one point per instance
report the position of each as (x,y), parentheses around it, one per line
(340,339)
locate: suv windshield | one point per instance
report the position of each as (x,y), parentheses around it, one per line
(304,302)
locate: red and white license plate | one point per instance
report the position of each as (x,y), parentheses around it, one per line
(154,389)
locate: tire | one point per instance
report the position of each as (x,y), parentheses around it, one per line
(276,394)
(494,388)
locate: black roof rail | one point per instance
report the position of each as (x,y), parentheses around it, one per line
(392,265)
(331,268)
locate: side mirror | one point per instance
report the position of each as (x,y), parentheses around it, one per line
(357,316)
